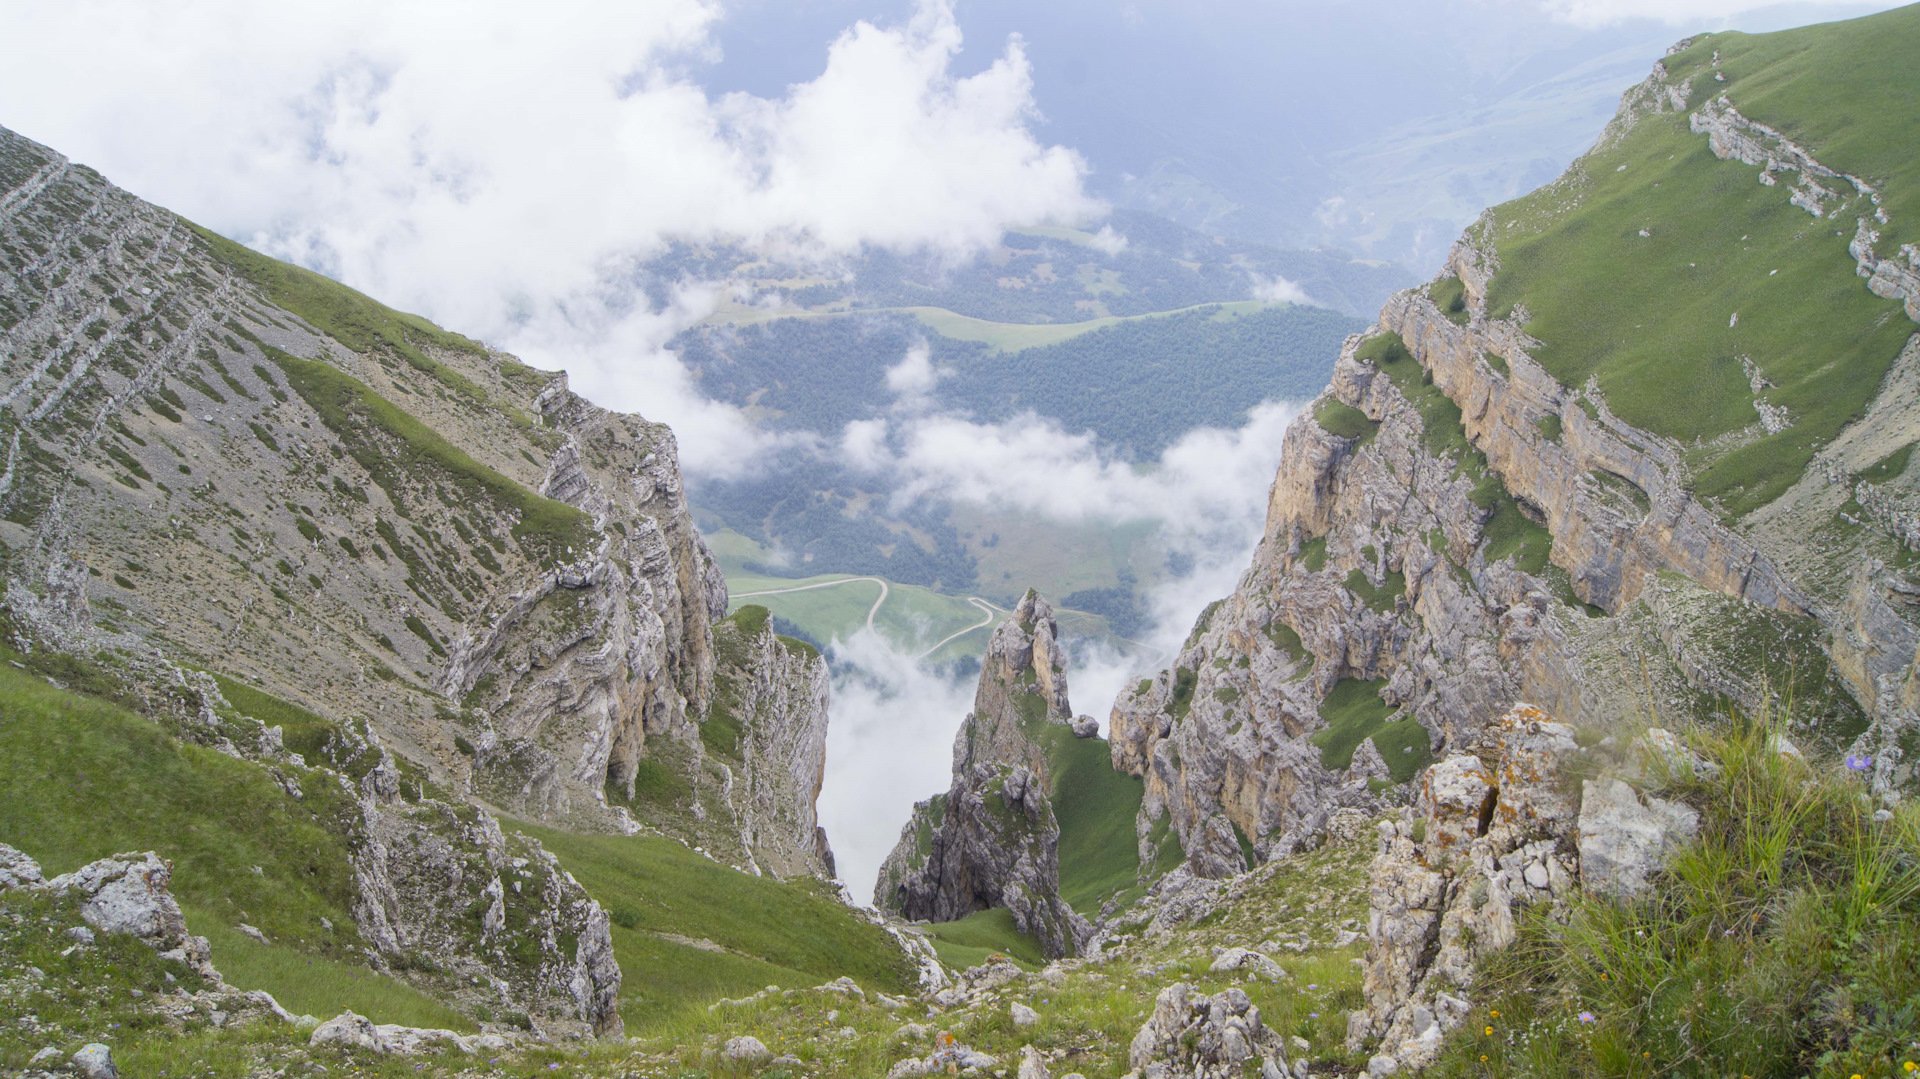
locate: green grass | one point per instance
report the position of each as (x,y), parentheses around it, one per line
(971,941)
(1449,294)
(1651,317)
(1095,807)
(82,778)
(396,449)
(317,985)
(1378,598)
(1354,713)
(301,731)
(1892,466)
(1342,420)
(1785,941)
(761,931)
(1511,534)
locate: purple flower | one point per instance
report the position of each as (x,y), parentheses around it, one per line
(1859,762)
(1586,1017)
(1313,1015)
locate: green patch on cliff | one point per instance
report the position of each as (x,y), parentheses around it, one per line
(396,449)
(688,931)
(1510,533)
(1342,420)
(1354,713)
(1379,598)
(1449,294)
(1659,270)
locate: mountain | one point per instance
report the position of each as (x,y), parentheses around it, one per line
(358,622)
(1564,722)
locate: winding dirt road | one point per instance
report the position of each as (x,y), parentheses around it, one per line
(987,610)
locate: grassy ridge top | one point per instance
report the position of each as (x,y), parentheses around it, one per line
(1691,293)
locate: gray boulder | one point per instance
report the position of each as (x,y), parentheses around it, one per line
(16,869)
(1625,839)
(1193,1036)
(94,1061)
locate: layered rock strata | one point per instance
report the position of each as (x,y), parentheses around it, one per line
(1452,529)
(254,470)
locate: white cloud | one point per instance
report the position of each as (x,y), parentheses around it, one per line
(893,721)
(1277,289)
(504,171)
(915,375)
(1108,242)
(1032,465)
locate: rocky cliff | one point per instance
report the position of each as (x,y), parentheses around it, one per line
(993,839)
(480,587)
(1611,503)
(263,473)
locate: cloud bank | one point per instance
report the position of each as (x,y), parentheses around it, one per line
(507,170)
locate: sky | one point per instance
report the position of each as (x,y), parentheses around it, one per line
(509,169)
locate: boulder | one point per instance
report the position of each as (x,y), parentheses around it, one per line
(348,1030)
(94,1061)
(745,1049)
(17,870)
(1023,1016)
(1194,1036)
(1625,838)
(1249,962)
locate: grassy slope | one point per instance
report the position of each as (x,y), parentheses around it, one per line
(758,931)
(81,779)
(1652,317)
(1095,807)
(1785,941)
(971,941)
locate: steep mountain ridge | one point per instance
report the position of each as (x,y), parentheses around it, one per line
(401,578)
(1455,526)
(264,473)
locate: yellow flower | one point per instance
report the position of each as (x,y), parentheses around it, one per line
(1483,1058)
(1495,1013)
(1489,1032)
(1857,1075)
(1910,1066)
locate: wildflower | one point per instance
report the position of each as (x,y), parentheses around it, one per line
(1489,1032)
(1495,1013)
(1316,1015)
(1483,1058)
(1585,1017)
(1858,762)
(1910,1066)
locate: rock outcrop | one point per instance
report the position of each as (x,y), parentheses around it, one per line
(1452,529)
(247,468)
(1493,831)
(1194,1035)
(992,840)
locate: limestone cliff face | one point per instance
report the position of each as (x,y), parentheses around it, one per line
(992,840)
(1452,530)
(775,690)
(260,472)
(212,460)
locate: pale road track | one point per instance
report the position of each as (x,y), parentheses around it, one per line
(986,609)
(871,611)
